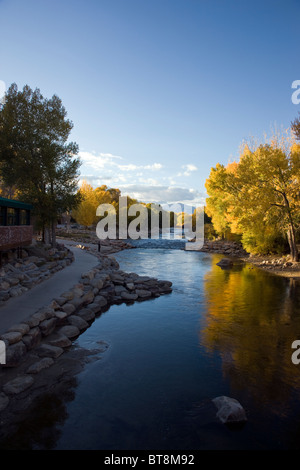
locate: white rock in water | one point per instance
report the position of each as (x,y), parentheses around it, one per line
(229,410)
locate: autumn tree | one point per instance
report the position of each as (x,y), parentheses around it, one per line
(261,196)
(85,212)
(35,155)
(217,203)
(295,125)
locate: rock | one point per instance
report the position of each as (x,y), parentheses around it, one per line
(68,308)
(15,354)
(68,295)
(18,385)
(129,296)
(11,337)
(130,285)
(98,283)
(77,321)
(60,340)
(47,326)
(88,297)
(40,365)
(165,283)
(60,315)
(88,275)
(4,285)
(4,400)
(119,289)
(70,331)
(32,338)
(77,302)
(116,277)
(4,296)
(225,263)
(229,410)
(142,293)
(15,292)
(13,281)
(60,301)
(88,313)
(22,328)
(33,321)
(93,307)
(54,305)
(38,317)
(100,300)
(47,350)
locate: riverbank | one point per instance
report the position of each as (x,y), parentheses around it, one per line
(41,357)
(278,265)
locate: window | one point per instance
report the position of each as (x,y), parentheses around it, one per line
(24,217)
(11,216)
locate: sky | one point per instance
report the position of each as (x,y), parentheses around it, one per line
(159,91)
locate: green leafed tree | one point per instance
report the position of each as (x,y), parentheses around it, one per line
(35,155)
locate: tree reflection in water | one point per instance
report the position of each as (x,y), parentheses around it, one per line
(252,319)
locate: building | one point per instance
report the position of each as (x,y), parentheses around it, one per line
(16,230)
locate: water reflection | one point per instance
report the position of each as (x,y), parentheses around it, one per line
(221,331)
(252,318)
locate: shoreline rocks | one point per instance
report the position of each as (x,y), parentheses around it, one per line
(49,332)
(224,247)
(37,264)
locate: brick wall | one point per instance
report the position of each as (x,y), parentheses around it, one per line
(14,236)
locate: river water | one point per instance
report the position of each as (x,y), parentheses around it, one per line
(220,332)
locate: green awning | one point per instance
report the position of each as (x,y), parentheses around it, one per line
(16,204)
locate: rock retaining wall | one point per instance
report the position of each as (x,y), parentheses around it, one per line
(224,247)
(49,330)
(20,274)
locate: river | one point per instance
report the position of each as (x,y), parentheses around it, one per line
(220,332)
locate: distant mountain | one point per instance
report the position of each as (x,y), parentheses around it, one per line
(184,207)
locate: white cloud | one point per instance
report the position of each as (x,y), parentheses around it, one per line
(98,162)
(163,194)
(189,168)
(146,183)
(110,163)
(155,166)
(2,89)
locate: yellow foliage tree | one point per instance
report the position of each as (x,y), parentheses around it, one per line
(259,196)
(85,213)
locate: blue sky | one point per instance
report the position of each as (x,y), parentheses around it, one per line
(159,91)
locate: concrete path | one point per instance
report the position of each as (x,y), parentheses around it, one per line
(21,308)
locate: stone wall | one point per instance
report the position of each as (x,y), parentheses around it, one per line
(15,235)
(18,275)
(51,329)
(224,247)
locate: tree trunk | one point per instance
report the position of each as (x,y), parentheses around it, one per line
(53,233)
(292,242)
(47,235)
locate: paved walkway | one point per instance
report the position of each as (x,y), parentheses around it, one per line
(21,308)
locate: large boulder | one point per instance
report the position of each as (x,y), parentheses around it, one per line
(15,354)
(18,385)
(229,410)
(225,263)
